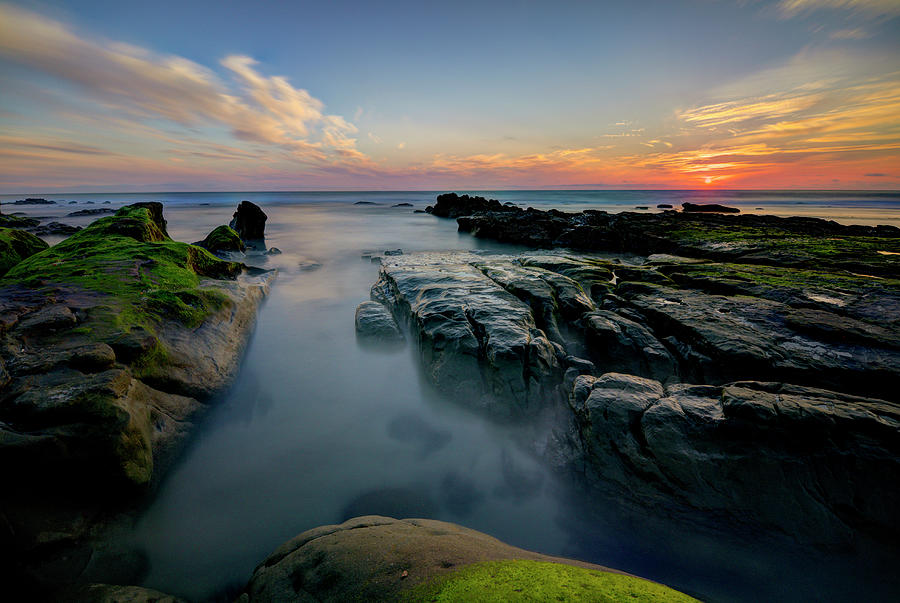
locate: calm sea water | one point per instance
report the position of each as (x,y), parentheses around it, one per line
(318,428)
(846,207)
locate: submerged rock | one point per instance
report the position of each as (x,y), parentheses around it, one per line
(34,201)
(375,322)
(54,229)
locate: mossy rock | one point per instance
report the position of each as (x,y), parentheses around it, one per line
(129,256)
(526,580)
(10,221)
(222,238)
(17,245)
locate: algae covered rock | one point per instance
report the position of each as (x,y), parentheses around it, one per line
(166,318)
(15,246)
(374,558)
(222,238)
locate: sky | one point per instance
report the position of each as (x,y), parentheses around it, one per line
(292,95)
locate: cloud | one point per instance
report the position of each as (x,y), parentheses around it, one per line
(874,8)
(857,33)
(141,85)
(374,138)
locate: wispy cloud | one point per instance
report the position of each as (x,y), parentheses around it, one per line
(138,84)
(790,8)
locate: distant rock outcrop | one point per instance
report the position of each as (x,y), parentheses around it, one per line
(709,208)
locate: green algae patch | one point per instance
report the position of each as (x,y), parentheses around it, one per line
(525,580)
(17,245)
(223,238)
(129,256)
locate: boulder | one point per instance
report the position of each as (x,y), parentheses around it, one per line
(222,239)
(249,222)
(374,558)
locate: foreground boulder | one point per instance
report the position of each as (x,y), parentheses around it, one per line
(375,558)
(15,246)
(113,341)
(249,222)
(709,208)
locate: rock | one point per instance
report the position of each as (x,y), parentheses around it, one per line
(375,558)
(618,344)
(91,212)
(419,211)
(249,222)
(54,229)
(103,375)
(402,205)
(309,266)
(391,252)
(17,245)
(451,205)
(664,206)
(809,243)
(273,251)
(222,239)
(17,221)
(73,202)
(112,593)
(34,201)
(642,207)
(709,208)
(366,203)
(107,203)
(375,322)
(49,319)
(479,343)
(807,461)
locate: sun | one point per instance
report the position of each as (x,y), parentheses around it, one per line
(708,180)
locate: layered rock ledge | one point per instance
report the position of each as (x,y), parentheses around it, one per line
(764,395)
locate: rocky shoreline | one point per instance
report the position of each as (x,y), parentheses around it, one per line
(738,382)
(739,369)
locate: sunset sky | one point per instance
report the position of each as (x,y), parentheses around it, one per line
(222,95)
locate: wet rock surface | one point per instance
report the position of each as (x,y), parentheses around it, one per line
(797,242)
(765,395)
(374,322)
(249,221)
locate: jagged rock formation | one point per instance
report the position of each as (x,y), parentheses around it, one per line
(763,394)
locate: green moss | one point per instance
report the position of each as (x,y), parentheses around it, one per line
(129,257)
(524,580)
(9,221)
(17,245)
(774,245)
(223,238)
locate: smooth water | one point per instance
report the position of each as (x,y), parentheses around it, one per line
(318,428)
(846,207)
